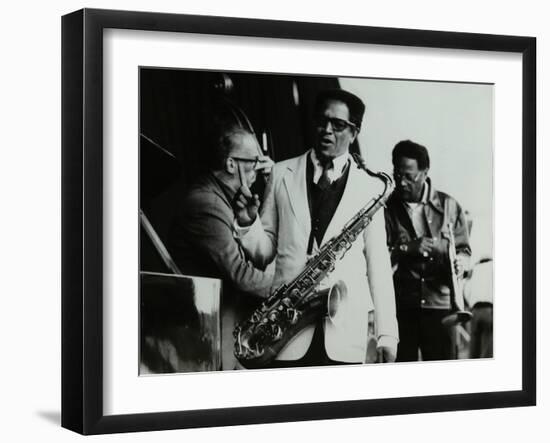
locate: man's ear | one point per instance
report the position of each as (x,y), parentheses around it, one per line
(354,136)
(230,165)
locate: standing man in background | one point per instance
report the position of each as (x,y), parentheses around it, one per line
(417,216)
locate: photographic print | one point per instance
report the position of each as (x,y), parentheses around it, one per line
(299,221)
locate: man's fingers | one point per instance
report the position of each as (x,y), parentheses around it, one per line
(425,249)
(264,164)
(246,201)
(266,159)
(249,205)
(426,243)
(244,190)
(242,201)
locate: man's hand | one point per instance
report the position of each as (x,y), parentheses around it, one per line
(440,247)
(461,263)
(264,165)
(426,247)
(421,246)
(385,355)
(246,206)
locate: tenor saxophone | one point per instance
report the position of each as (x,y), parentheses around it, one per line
(299,303)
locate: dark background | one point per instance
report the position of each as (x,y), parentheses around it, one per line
(181,111)
(181,114)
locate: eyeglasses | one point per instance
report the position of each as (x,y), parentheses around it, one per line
(255,160)
(338,124)
(406,177)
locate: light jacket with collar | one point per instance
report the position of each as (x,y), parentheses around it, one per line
(424,281)
(282,234)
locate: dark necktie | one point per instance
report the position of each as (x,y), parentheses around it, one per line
(324,181)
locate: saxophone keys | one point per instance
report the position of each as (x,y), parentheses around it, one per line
(292,316)
(277,332)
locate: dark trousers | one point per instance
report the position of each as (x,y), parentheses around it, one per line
(316,354)
(421,329)
(481,343)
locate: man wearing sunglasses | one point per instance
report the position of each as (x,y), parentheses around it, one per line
(417,216)
(309,199)
(202,241)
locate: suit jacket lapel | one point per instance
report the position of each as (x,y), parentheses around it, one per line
(296,187)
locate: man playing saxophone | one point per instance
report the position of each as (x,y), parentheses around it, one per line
(309,199)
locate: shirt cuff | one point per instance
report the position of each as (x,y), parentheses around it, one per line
(241,231)
(387,341)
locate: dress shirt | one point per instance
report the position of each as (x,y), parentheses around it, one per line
(339,166)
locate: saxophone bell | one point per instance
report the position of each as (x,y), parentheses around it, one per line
(336,294)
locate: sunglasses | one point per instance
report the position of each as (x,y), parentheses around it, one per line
(406,177)
(337,124)
(255,160)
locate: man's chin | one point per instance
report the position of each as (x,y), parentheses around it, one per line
(404,195)
(326,151)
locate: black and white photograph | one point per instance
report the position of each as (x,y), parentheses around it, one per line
(275,221)
(292,221)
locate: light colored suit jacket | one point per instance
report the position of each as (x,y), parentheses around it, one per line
(283,234)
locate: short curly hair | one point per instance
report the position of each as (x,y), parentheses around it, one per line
(410,149)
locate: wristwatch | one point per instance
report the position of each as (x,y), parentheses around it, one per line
(404,247)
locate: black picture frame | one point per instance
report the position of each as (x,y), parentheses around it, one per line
(82,219)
